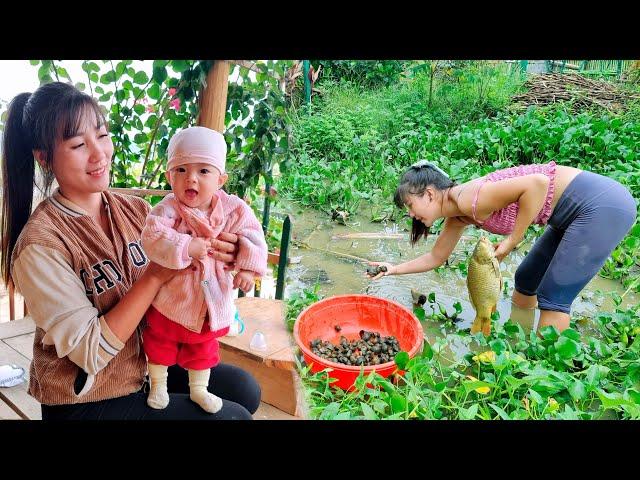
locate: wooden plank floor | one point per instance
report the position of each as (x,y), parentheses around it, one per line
(7,413)
(16,347)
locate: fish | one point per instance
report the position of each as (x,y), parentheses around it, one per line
(484,283)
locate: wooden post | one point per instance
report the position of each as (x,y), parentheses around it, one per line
(307,81)
(213,99)
(284,257)
(619,69)
(12,292)
(213,103)
(524,64)
(266,211)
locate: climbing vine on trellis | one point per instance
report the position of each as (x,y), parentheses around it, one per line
(144,111)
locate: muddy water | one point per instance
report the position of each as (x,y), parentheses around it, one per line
(328,263)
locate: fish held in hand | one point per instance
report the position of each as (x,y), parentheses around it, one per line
(484,283)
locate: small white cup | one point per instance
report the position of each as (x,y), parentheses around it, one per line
(258,342)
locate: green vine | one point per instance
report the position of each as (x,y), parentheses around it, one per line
(144,112)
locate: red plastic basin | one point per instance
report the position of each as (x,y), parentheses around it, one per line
(354,313)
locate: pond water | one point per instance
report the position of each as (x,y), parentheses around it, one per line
(329,255)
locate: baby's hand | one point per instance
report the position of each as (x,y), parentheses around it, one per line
(244,280)
(198,247)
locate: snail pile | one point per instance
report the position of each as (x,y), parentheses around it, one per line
(370,349)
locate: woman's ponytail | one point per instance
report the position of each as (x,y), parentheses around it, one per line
(35,122)
(18,174)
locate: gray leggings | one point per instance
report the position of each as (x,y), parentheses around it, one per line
(593,214)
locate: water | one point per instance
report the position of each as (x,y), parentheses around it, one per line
(338,274)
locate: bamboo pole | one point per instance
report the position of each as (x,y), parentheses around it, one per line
(373,236)
(213,102)
(338,254)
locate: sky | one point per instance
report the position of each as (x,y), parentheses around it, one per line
(17,76)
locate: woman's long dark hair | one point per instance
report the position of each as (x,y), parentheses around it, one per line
(35,121)
(414,182)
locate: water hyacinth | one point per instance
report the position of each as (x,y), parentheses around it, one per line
(512,375)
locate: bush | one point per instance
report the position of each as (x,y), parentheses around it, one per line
(367,73)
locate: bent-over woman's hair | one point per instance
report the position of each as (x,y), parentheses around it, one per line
(414,182)
(35,121)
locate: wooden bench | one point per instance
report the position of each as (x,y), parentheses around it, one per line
(16,347)
(274,369)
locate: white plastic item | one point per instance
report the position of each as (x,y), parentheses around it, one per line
(258,342)
(237,325)
(11,375)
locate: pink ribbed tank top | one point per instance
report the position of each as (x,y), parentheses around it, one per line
(502,221)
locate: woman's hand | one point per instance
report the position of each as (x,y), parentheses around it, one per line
(125,315)
(390,269)
(163,275)
(225,249)
(503,248)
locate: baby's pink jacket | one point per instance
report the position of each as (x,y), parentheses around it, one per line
(165,239)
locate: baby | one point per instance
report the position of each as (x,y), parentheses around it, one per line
(190,311)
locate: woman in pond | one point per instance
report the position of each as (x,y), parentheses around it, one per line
(586,216)
(87,282)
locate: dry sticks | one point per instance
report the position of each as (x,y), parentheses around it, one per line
(584,92)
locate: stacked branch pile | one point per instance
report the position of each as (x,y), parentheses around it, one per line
(583,92)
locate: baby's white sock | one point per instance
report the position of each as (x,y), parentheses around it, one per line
(158,396)
(198,383)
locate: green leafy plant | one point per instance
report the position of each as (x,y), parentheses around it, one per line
(144,111)
(438,312)
(368,73)
(298,301)
(511,375)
